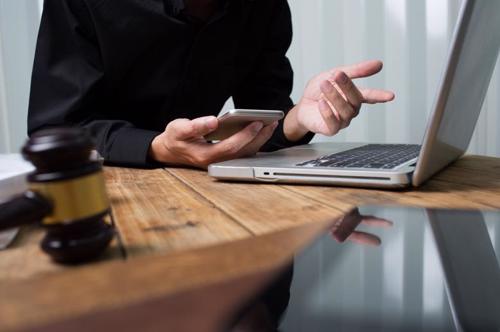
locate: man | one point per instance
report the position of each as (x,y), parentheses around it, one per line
(126,69)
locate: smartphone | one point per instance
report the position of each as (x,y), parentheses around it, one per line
(235,120)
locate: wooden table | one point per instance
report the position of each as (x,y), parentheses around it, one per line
(163,212)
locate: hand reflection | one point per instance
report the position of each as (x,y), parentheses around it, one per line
(345,228)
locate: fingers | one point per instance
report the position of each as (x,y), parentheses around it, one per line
(232,145)
(374,96)
(376,222)
(199,153)
(184,129)
(351,92)
(359,70)
(357,96)
(364,238)
(204,125)
(263,136)
(345,110)
(244,143)
(363,69)
(330,119)
(344,100)
(182,142)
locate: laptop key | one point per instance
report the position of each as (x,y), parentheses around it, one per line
(371,156)
(374,165)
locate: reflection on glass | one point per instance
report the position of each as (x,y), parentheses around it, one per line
(266,312)
(345,228)
(471,270)
(446,276)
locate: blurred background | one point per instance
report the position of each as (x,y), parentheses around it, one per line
(411,37)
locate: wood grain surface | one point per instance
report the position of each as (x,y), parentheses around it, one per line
(156,212)
(85,290)
(162,214)
(472,182)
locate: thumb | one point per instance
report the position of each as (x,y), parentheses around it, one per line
(204,125)
(184,129)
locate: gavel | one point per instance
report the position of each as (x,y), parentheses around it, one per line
(66,195)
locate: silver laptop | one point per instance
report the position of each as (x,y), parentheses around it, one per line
(469,68)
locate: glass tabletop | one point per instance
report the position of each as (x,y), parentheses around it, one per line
(390,269)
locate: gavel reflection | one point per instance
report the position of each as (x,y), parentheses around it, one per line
(66,196)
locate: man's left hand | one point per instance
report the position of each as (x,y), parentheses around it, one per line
(331,100)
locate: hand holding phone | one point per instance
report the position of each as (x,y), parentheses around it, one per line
(236,120)
(183,142)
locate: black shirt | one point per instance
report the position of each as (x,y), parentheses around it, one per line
(125,68)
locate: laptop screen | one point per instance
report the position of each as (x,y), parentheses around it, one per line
(469,68)
(397,269)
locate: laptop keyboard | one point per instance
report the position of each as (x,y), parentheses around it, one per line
(381,156)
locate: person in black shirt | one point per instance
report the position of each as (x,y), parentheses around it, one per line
(147,78)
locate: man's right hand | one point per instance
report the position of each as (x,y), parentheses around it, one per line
(182,142)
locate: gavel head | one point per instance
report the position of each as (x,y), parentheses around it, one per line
(73,184)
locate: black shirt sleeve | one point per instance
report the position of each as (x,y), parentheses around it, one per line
(69,85)
(271,82)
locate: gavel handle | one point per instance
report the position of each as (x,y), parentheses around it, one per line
(27,208)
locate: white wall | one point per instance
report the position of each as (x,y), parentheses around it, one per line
(19,20)
(411,37)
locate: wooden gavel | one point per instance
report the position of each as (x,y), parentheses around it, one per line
(66,195)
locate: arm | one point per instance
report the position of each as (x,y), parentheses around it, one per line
(330,100)
(68,85)
(270,83)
